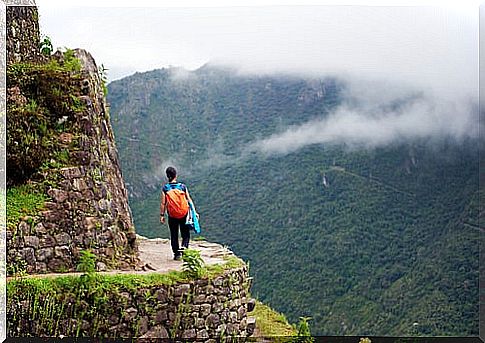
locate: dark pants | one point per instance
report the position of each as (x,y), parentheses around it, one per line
(174,224)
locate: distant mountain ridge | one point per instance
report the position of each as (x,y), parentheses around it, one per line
(378,242)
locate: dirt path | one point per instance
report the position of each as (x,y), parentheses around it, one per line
(156,256)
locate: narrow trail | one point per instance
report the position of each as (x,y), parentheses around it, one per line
(474,227)
(370,179)
(157,257)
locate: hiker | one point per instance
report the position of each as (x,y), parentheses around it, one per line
(175,200)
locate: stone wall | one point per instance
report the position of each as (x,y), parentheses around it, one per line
(199,310)
(88,206)
(22,34)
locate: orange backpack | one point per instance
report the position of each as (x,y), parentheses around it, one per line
(177,204)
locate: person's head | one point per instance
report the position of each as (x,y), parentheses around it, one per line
(171,173)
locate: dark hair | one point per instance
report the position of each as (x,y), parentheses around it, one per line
(171,173)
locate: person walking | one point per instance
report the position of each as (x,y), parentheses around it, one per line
(175,199)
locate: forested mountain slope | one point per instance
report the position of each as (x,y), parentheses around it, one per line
(380,241)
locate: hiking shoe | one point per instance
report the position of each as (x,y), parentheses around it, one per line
(177,257)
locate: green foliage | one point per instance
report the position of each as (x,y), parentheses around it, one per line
(192,263)
(271,323)
(388,243)
(45,46)
(87,262)
(70,62)
(51,94)
(303,330)
(22,201)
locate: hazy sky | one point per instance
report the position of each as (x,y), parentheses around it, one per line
(384,53)
(429,46)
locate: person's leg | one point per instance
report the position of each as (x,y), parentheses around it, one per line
(185,232)
(173,224)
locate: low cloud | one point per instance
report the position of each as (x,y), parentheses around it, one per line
(377,116)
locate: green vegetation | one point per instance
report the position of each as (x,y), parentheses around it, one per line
(42,102)
(391,241)
(303,330)
(87,262)
(192,263)
(23,201)
(45,46)
(270,323)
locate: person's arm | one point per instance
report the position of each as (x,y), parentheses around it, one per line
(162,207)
(189,199)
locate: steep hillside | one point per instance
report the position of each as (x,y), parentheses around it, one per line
(378,242)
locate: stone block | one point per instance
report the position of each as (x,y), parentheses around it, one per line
(189,334)
(212,320)
(75,196)
(28,255)
(40,267)
(243,324)
(250,325)
(211,299)
(57,265)
(62,239)
(217,307)
(101,267)
(182,289)
(62,252)
(47,242)
(58,195)
(79,184)
(91,223)
(218,281)
(199,299)
(199,323)
(156,332)
(52,216)
(143,325)
(241,313)
(205,310)
(104,205)
(23,228)
(71,172)
(39,229)
(44,254)
(202,334)
(221,298)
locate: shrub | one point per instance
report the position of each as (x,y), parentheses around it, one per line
(192,263)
